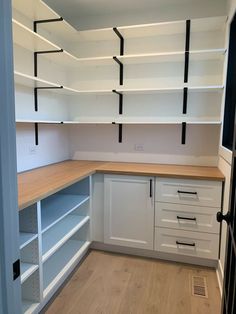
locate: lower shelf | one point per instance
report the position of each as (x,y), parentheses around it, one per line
(61,263)
(55,237)
(27,270)
(28,307)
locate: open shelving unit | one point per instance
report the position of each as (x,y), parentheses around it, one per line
(159,58)
(54,236)
(129,57)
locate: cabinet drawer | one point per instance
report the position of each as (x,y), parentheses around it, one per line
(186,217)
(189,192)
(187,243)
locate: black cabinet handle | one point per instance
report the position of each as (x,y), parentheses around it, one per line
(150,194)
(185,192)
(187,218)
(186,244)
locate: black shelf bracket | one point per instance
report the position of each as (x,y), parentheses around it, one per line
(183,136)
(36,132)
(120,133)
(42,88)
(187,46)
(36,53)
(185,100)
(120,100)
(60,19)
(122,42)
(121,69)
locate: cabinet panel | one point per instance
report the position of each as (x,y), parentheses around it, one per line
(187,243)
(189,192)
(129,211)
(186,217)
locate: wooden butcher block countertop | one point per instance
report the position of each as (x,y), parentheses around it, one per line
(39,183)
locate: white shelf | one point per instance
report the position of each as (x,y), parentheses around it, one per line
(61,263)
(38,10)
(26,238)
(56,236)
(25,37)
(38,121)
(28,307)
(71,91)
(169,89)
(176,27)
(27,270)
(32,81)
(58,206)
(169,120)
(177,56)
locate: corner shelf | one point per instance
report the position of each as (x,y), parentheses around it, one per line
(32,81)
(55,269)
(56,236)
(56,207)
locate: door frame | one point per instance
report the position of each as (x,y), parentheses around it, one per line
(10,292)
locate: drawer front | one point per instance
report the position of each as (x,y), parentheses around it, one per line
(186,217)
(189,192)
(187,243)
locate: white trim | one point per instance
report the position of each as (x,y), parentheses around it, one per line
(10,300)
(220,276)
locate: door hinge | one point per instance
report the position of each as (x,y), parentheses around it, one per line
(16,269)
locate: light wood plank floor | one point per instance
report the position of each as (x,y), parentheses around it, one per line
(109,283)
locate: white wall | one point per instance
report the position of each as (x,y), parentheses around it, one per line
(53,146)
(161,144)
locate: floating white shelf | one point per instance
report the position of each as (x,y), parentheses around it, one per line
(27,270)
(28,307)
(26,238)
(57,267)
(32,81)
(58,206)
(56,236)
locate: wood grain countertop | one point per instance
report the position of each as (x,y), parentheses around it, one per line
(39,183)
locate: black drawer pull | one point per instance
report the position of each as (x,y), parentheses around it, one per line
(187,218)
(186,244)
(185,192)
(150,193)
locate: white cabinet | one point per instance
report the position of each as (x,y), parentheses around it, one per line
(185,217)
(129,211)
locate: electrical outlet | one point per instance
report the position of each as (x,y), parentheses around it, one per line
(32,150)
(139,147)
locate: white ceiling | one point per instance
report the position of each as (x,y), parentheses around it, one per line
(101,13)
(103,7)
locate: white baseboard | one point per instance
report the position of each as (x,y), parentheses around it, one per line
(154,254)
(220,276)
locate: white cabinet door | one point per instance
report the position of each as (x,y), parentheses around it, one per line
(129,211)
